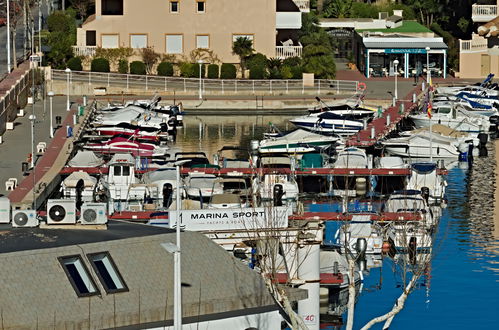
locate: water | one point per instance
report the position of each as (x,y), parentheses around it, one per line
(460,289)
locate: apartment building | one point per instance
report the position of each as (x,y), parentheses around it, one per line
(178,27)
(479,56)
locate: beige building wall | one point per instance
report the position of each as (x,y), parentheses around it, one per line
(478,64)
(221,20)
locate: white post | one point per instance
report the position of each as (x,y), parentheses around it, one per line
(396,63)
(178,284)
(51,95)
(68,105)
(32,119)
(200,62)
(428,74)
(308,271)
(8,36)
(39,26)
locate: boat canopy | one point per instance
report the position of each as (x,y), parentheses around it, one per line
(85,158)
(424,168)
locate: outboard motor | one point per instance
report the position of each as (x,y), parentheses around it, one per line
(482,148)
(167,195)
(277,194)
(425,193)
(172,126)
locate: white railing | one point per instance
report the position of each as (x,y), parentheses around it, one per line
(283,52)
(304,5)
(84,50)
(474,45)
(210,86)
(483,13)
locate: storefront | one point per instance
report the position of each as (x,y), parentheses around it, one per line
(414,55)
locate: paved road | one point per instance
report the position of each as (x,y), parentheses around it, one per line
(16,143)
(19,40)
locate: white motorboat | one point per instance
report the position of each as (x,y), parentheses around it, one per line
(297,141)
(225,201)
(329,123)
(351,157)
(390,162)
(79,183)
(441,142)
(276,187)
(455,117)
(162,185)
(350,235)
(201,186)
(411,201)
(478,90)
(425,176)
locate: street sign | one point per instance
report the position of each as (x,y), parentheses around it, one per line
(35,59)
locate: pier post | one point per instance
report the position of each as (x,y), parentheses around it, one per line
(373,132)
(308,271)
(388,119)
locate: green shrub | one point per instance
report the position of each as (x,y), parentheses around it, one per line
(74,63)
(286,72)
(296,72)
(196,70)
(187,70)
(99,64)
(165,69)
(137,67)
(213,71)
(257,59)
(257,72)
(123,66)
(292,61)
(228,71)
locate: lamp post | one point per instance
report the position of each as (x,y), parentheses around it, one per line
(51,95)
(200,62)
(428,73)
(396,63)
(32,119)
(8,36)
(68,105)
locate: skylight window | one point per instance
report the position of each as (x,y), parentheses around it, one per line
(107,272)
(79,276)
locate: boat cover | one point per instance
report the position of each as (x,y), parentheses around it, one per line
(442,130)
(72,180)
(85,159)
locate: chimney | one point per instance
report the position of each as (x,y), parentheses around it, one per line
(398,12)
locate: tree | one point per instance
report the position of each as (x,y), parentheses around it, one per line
(319,60)
(82,7)
(62,36)
(149,57)
(242,47)
(338,8)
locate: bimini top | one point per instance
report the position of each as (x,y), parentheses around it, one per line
(424,168)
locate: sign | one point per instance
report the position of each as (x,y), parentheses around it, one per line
(405,51)
(340,33)
(35,59)
(227,219)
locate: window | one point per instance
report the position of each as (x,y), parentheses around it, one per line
(107,272)
(126,170)
(174,44)
(174,7)
(91,38)
(110,40)
(117,170)
(112,7)
(202,41)
(138,40)
(200,6)
(79,276)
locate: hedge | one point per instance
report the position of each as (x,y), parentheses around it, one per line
(257,72)
(187,70)
(99,64)
(213,71)
(123,66)
(228,71)
(74,64)
(137,67)
(165,69)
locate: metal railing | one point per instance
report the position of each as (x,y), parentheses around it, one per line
(215,86)
(486,12)
(9,100)
(304,5)
(283,52)
(84,50)
(477,44)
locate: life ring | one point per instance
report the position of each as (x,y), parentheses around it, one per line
(361,86)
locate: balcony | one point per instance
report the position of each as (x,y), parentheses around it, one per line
(304,5)
(84,51)
(283,52)
(483,13)
(475,45)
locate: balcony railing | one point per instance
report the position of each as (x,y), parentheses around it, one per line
(483,13)
(476,44)
(304,5)
(84,50)
(283,52)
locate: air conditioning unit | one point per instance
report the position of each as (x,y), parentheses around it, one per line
(24,218)
(93,214)
(61,211)
(4,209)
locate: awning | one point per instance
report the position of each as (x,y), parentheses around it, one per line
(404,43)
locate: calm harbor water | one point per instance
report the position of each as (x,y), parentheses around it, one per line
(459,291)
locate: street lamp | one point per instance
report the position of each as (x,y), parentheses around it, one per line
(8,36)
(68,105)
(51,95)
(200,62)
(32,119)
(428,73)
(396,63)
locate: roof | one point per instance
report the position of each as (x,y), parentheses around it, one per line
(403,42)
(406,27)
(22,239)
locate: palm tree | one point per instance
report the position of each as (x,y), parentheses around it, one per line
(242,47)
